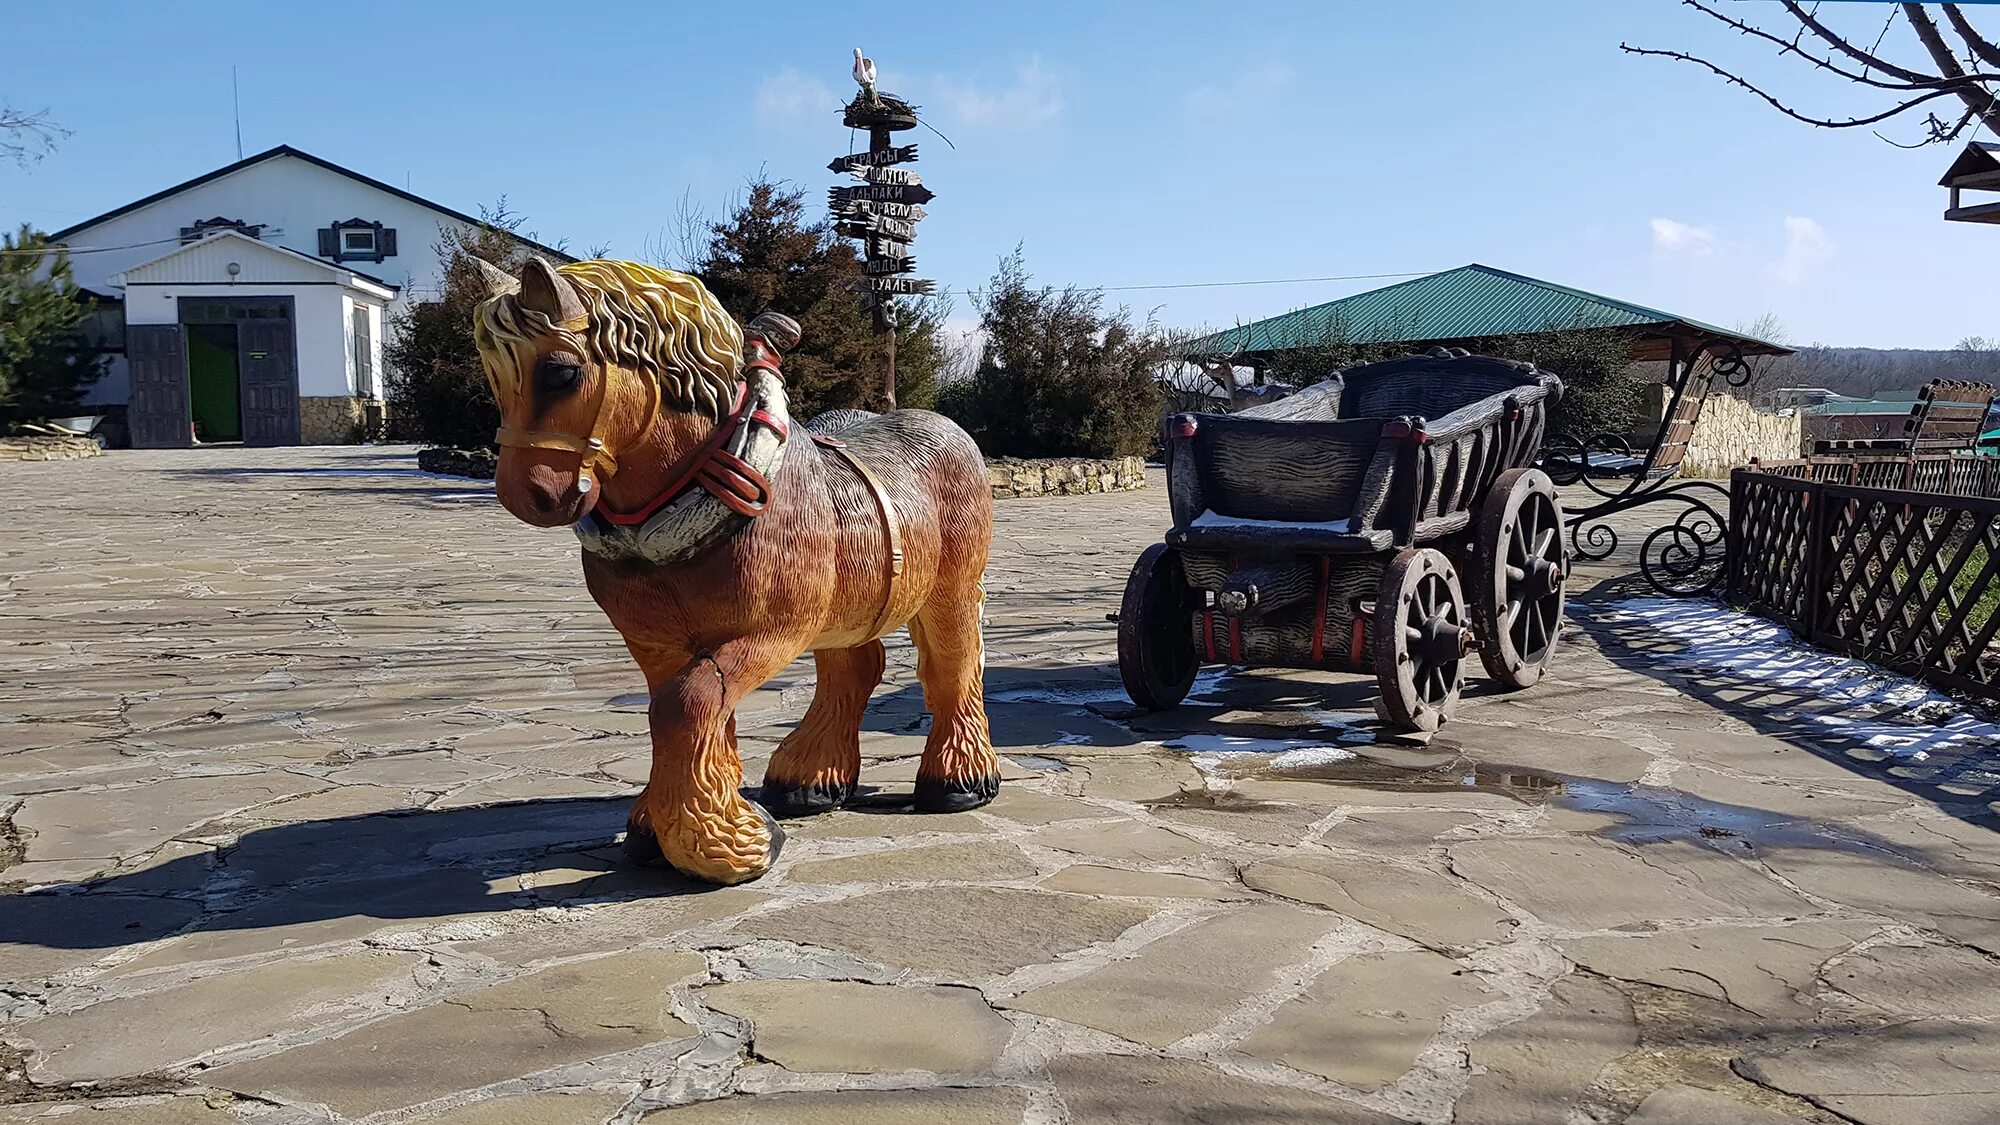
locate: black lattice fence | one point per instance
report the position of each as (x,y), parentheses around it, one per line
(1904,579)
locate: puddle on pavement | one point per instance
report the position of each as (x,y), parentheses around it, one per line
(1638,812)
(1038,763)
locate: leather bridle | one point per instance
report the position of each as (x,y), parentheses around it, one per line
(711,466)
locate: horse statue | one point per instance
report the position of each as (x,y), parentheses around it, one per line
(723,541)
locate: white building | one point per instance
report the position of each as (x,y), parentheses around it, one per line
(250,303)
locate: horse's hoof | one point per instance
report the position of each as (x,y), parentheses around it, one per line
(642,847)
(784,799)
(956,795)
(777,832)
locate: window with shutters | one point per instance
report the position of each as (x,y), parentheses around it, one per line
(357,240)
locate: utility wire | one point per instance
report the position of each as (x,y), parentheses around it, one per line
(1267,281)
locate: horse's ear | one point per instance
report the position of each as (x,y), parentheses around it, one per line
(545,291)
(499,283)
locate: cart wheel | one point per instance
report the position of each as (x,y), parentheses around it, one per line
(1156,630)
(1421,637)
(1518,586)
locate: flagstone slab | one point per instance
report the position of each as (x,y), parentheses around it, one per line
(556,1016)
(1127,1090)
(123,822)
(1590,884)
(984,860)
(1117,882)
(1869,882)
(1187,981)
(941,1106)
(45,934)
(1121,840)
(1395,832)
(190,1110)
(324,913)
(551,1107)
(1028,806)
(1762,969)
(154,1031)
(1365,1020)
(1432,909)
(853,1028)
(1919,981)
(1691,1105)
(1923,1072)
(1532,1071)
(961,933)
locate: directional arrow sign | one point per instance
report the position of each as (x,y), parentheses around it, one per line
(882,248)
(881,193)
(856,230)
(901,154)
(878,267)
(907,286)
(885,175)
(863,207)
(859,211)
(880,226)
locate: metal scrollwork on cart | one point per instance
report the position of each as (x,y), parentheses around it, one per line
(1683,558)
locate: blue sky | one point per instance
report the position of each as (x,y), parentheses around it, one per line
(1121,144)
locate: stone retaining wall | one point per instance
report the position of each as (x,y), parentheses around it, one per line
(1731,432)
(47,449)
(1013,477)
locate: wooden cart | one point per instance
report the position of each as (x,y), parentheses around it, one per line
(1387,520)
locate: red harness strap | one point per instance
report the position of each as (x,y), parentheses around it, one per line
(722,474)
(1319,614)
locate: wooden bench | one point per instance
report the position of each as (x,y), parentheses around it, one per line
(1947,416)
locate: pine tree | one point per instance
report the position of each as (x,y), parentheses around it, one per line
(1059,376)
(768,255)
(43,370)
(435,388)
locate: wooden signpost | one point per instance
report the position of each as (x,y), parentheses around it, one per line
(882,211)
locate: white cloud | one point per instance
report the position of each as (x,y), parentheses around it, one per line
(1249,92)
(1674,239)
(1807,248)
(792,97)
(1034,99)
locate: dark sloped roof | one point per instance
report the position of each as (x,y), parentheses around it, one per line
(288,150)
(1472,302)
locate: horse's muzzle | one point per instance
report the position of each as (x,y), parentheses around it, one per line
(545,496)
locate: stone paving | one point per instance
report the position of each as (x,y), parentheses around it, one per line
(312,768)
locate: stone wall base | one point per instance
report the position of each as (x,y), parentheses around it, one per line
(47,448)
(338,419)
(1013,477)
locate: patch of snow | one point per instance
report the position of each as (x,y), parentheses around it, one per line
(463,496)
(1900,717)
(1212,520)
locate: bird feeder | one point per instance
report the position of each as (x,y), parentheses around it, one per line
(1976,169)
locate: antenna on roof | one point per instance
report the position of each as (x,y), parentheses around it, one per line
(236,104)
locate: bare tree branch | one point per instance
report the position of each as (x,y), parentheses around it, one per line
(1979,100)
(1978,91)
(1825,123)
(1978,44)
(26,137)
(1846,48)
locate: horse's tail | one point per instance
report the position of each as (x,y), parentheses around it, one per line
(835,421)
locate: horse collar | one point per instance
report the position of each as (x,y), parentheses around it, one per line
(720,487)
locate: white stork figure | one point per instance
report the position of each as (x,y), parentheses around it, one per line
(864,73)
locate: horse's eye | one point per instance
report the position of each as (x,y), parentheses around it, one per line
(556,374)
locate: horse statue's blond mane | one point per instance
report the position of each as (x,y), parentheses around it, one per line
(654,321)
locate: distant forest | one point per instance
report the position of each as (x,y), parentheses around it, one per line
(1876,372)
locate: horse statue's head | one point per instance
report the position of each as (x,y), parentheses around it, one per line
(593,361)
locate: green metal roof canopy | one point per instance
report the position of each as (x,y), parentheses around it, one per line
(1462,307)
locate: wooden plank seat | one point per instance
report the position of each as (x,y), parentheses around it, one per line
(1947,416)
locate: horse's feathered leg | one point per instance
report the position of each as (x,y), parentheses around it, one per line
(692,803)
(815,767)
(958,770)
